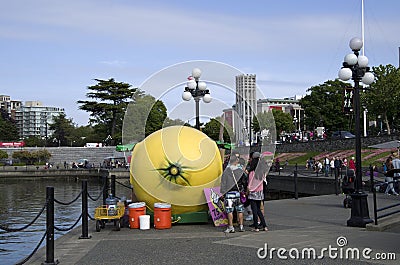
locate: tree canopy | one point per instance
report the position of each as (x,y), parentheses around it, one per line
(156,118)
(63,129)
(383,96)
(283,121)
(3,154)
(8,128)
(213,128)
(324,106)
(108,105)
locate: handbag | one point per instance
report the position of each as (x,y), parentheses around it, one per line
(243,197)
(243,194)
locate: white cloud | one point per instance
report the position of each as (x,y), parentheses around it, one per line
(115,63)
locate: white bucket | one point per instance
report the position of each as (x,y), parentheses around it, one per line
(144,221)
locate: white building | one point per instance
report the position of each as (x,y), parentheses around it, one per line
(245,107)
(33,119)
(287,105)
(10,106)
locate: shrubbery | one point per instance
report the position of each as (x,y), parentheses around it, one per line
(3,154)
(30,158)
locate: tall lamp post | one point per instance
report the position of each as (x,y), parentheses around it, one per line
(355,67)
(196,89)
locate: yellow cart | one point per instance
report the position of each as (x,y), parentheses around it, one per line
(105,213)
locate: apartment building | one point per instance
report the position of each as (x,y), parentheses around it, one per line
(33,119)
(9,105)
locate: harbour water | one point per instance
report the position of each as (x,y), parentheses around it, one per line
(22,199)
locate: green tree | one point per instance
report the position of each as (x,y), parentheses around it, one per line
(169,122)
(24,156)
(213,128)
(8,128)
(108,105)
(383,96)
(283,121)
(34,141)
(3,154)
(63,129)
(143,117)
(84,134)
(31,158)
(156,118)
(324,106)
(41,155)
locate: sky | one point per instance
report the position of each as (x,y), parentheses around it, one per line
(51,50)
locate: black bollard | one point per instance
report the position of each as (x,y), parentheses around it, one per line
(375,205)
(50,226)
(113,186)
(105,189)
(296,194)
(371,177)
(85,224)
(337,171)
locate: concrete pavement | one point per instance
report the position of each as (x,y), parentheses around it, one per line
(304,225)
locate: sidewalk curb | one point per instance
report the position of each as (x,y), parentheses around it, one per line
(384,224)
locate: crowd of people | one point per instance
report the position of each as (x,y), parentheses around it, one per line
(331,166)
(336,164)
(248,177)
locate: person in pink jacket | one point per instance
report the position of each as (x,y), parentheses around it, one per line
(257,173)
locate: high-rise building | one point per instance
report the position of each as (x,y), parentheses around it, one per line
(33,119)
(245,107)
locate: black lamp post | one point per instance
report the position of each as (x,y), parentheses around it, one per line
(355,67)
(196,89)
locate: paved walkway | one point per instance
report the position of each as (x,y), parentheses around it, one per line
(304,224)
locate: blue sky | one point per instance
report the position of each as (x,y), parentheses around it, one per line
(52,50)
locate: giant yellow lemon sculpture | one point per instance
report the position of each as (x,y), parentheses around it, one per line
(174,165)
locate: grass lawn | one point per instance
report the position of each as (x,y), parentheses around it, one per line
(368,156)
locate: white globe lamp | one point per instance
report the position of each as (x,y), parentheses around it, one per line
(362,61)
(202,85)
(207,98)
(345,74)
(351,59)
(356,44)
(368,78)
(196,73)
(186,96)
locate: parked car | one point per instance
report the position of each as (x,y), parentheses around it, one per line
(342,135)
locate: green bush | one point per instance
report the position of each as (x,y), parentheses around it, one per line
(30,158)
(3,154)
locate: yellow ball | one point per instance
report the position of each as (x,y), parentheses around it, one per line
(174,165)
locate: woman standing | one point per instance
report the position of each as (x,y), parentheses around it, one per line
(257,172)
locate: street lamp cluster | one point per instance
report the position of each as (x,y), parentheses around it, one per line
(196,89)
(355,67)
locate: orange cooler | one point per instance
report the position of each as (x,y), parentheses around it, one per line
(162,215)
(136,209)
